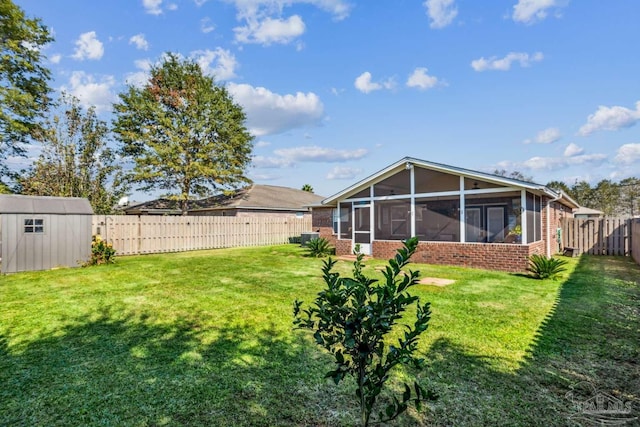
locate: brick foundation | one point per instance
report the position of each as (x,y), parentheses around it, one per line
(488,256)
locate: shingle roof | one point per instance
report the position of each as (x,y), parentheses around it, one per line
(259,197)
(17,204)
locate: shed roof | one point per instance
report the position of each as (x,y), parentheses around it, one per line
(17,204)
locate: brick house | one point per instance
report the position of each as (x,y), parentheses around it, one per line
(461,217)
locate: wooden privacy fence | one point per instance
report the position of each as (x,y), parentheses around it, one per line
(635,240)
(148,234)
(598,236)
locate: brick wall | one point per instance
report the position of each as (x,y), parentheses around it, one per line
(322,222)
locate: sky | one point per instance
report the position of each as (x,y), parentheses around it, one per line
(336,90)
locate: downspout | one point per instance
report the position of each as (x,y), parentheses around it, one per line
(549,223)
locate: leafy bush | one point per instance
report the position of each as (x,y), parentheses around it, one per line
(319,247)
(101,252)
(352,319)
(545,268)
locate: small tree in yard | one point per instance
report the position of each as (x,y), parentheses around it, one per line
(352,317)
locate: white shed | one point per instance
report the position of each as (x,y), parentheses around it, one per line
(39,233)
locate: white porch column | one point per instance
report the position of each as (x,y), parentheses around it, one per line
(523,216)
(463,229)
(413,199)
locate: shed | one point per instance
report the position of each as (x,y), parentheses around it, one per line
(39,233)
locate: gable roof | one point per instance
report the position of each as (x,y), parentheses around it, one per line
(261,197)
(440,167)
(18,204)
(254,197)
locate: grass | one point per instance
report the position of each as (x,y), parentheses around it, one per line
(205,338)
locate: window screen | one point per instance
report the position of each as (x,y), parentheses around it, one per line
(34,225)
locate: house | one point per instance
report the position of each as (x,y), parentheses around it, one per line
(254,200)
(584,213)
(461,216)
(39,233)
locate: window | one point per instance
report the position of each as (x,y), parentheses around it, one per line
(34,225)
(335,219)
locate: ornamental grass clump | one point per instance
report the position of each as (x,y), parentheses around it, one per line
(352,318)
(542,267)
(101,252)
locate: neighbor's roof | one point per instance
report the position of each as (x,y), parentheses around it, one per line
(17,204)
(254,197)
(260,197)
(587,211)
(468,173)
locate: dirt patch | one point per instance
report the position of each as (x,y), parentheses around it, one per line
(436,281)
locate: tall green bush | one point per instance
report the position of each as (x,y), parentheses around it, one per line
(352,318)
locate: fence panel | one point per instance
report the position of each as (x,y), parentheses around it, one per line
(635,240)
(147,234)
(598,236)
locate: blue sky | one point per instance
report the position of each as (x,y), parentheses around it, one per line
(336,90)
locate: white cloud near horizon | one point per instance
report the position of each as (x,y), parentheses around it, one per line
(421,80)
(88,47)
(441,12)
(553,163)
(341,172)
(532,11)
(141,77)
(573,150)
(610,118)
(92,91)
(627,154)
(139,41)
(314,153)
(504,64)
(546,136)
(270,113)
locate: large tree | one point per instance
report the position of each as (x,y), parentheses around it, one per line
(184,133)
(630,196)
(24,89)
(76,160)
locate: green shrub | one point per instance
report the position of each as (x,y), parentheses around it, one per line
(352,318)
(319,247)
(545,268)
(101,252)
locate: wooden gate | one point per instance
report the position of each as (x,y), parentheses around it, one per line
(598,236)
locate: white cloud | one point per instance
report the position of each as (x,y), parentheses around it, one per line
(258,9)
(531,11)
(270,30)
(441,12)
(272,113)
(261,144)
(172,6)
(504,64)
(206,26)
(91,91)
(225,63)
(271,162)
(140,42)
(340,172)
(152,7)
(314,153)
(141,77)
(573,150)
(553,163)
(421,80)
(55,59)
(364,84)
(546,136)
(611,118)
(88,47)
(628,153)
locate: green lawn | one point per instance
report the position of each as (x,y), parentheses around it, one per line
(205,338)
